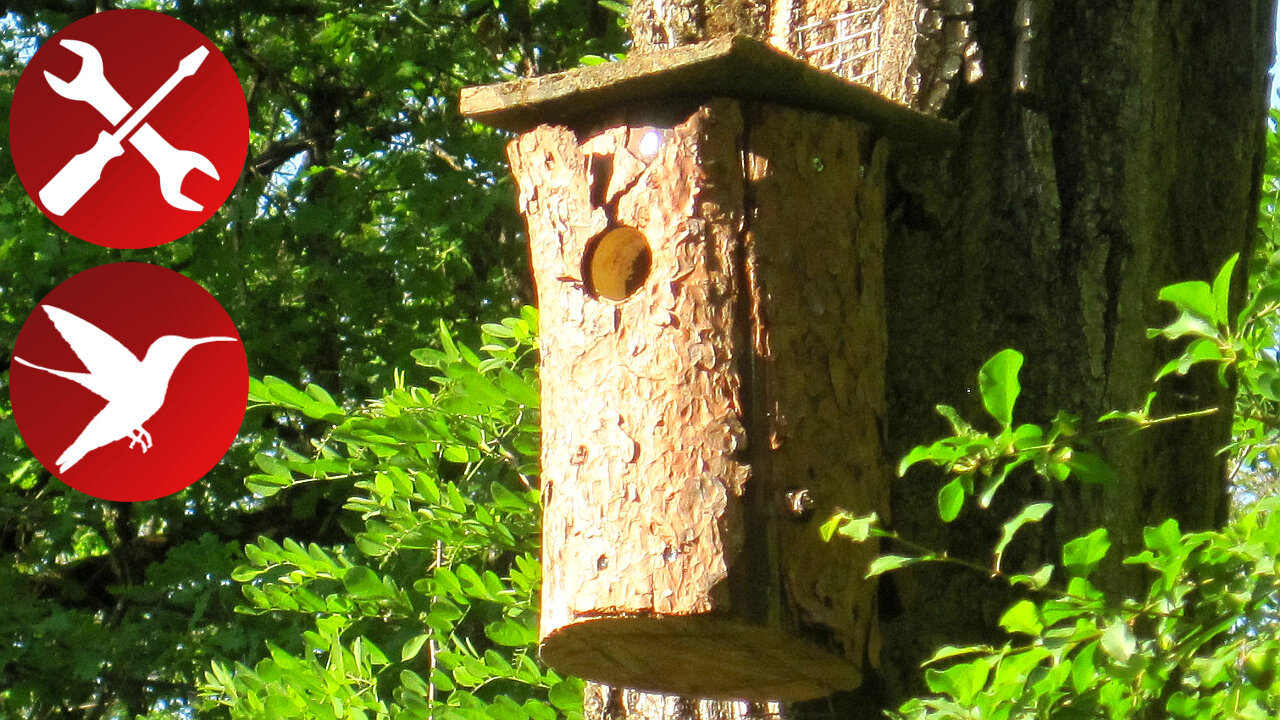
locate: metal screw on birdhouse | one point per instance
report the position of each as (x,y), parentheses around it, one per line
(800,503)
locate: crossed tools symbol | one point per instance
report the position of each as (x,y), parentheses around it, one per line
(83,171)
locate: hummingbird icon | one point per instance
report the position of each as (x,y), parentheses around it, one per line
(134,389)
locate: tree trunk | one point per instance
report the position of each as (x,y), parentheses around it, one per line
(1107,149)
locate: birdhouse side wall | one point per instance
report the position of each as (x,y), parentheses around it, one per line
(814,245)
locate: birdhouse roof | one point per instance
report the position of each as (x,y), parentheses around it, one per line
(733,66)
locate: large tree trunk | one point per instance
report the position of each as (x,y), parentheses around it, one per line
(1107,149)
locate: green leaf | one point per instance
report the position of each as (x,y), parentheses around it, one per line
(280,706)
(856,529)
(1029,514)
(285,394)
(993,483)
(621,9)
(447,610)
(1118,642)
(411,649)
(1263,300)
(539,710)
(498,330)
(962,681)
(518,389)
(942,452)
(1083,671)
(828,529)
(456,454)
(272,466)
(886,563)
(952,416)
(446,341)
(951,500)
(1165,537)
(510,633)
(1023,617)
(1200,350)
(472,583)
(360,581)
(1185,324)
(1083,554)
(566,694)
(998,383)
(1037,580)
(245,573)
(1090,468)
(265,485)
(1028,436)
(946,652)
(1194,297)
(1222,291)
(322,396)
(258,391)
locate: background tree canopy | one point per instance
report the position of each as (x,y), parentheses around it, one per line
(367,548)
(367,214)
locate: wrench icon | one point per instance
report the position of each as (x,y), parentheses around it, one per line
(91,86)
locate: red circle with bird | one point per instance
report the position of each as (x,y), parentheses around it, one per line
(128,128)
(128,382)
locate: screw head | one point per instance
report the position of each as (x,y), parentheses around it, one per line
(800,503)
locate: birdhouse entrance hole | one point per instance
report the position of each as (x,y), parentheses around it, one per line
(617,263)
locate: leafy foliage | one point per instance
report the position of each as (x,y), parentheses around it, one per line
(980,462)
(1202,642)
(442,481)
(367,213)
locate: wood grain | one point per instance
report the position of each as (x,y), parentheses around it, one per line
(680,423)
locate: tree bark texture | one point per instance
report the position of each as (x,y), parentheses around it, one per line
(799,28)
(821,32)
(697,431)
(1108,149)
(660,24)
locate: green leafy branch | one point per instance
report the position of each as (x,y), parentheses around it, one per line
(441,477)
(1201,643)
(978,462)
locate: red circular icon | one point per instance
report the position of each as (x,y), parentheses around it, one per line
(128,128)
(128,382)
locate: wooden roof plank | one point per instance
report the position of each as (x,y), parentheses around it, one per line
(734,66)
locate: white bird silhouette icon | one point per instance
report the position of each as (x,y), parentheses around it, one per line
(134,390)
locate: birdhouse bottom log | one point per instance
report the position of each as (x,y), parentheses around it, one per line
(713,349)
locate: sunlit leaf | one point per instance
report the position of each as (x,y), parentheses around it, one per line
(998,383)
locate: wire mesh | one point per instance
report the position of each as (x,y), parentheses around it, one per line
(847,44)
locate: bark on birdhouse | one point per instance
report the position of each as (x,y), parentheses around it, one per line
(708,268)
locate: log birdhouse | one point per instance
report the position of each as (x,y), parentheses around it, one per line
(706,226)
